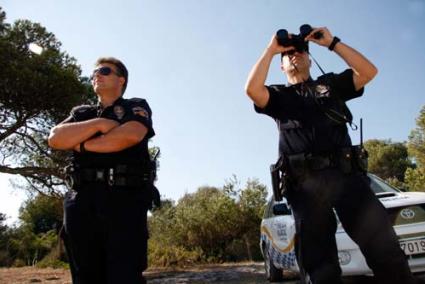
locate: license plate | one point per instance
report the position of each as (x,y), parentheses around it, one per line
(413,246)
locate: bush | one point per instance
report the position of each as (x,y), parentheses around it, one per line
(160,255)
(52,262)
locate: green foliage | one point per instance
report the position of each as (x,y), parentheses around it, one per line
(3,226)
(161,255)
(388,160)
(210,225)
(5,258)
(53,259)
(36,237)
(29,248)
(252,203)
(415,178)
(207,219)
(416,144)
(42,213)
(37,91)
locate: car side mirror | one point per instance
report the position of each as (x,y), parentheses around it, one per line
(281,209)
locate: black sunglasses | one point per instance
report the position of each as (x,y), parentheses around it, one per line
(104,71)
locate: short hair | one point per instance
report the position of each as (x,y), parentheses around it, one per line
(121,69)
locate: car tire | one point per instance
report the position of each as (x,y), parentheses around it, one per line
(273,274)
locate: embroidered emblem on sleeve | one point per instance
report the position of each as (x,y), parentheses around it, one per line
(119,112)
(140,111)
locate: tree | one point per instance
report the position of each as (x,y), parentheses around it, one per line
(252,203)
(37,92)
(415,177)
(3,226)
(41,214)
(4,253)
(389,160)
(36,237)
(207,219)
(211,224)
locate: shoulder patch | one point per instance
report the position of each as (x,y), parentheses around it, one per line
(138,110)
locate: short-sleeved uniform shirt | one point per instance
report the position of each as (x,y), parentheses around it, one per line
(308,114)
(122,111)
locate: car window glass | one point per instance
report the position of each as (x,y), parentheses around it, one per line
(379,186)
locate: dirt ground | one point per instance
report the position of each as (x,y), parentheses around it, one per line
(248,273)
(240,273)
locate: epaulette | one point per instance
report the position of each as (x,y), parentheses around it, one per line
(279,87)
(81,108)
(325,76)
(136,100)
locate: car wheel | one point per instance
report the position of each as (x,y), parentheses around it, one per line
(273,274)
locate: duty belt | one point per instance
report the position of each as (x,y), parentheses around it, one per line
(348,159)
(121,175)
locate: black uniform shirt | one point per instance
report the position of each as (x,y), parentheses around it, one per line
(122,111)
(308,114)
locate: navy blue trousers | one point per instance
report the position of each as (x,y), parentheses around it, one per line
(105,235)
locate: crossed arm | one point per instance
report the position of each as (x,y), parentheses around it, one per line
(114,137)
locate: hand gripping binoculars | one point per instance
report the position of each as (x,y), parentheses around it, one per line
(297,41)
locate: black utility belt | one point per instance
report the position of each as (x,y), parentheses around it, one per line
(347,159)
(116,176)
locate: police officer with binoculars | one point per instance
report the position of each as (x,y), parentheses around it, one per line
(325,170)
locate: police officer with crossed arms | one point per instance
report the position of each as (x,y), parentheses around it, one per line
(324,167)
(105,212)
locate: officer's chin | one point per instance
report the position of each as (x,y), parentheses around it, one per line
(99,89)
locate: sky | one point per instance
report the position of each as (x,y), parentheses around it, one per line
(190,60)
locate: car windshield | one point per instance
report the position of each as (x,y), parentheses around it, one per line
(379,186)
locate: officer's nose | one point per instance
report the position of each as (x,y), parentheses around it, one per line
(94,75)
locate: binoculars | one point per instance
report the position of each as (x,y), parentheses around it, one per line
(297,41)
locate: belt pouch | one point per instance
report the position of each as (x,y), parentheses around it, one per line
(360,158)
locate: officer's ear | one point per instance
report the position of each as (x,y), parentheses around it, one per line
(282,67)
(122,81)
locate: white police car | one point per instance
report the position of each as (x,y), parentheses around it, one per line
(406,211)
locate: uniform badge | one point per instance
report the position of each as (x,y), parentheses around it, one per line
(322,90)
(119,112)
(140,111)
